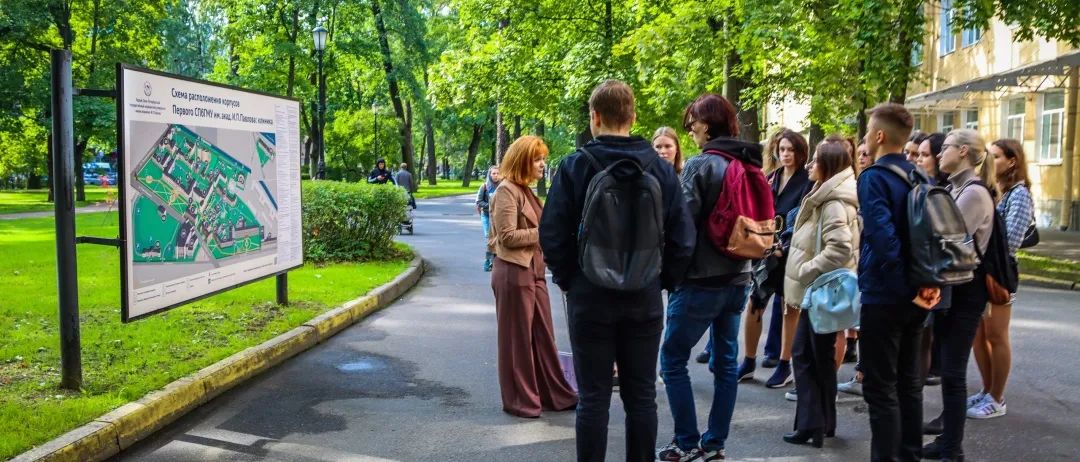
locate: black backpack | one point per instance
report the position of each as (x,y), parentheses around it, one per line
(621,236)
(997,262)
(942,253)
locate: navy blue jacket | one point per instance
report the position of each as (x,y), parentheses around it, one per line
(884,251)
(566,199)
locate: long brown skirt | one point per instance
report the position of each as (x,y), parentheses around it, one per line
(530,376)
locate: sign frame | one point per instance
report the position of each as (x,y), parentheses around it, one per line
(122,196)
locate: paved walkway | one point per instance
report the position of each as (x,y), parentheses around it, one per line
(417,382)
(99,207)
(1058,244)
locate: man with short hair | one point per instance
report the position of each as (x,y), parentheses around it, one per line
(404,179)
(609,327)
(380,175)
(891,324)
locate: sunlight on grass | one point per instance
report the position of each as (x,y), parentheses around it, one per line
(36,200)
(446,188)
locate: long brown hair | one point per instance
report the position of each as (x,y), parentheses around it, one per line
(830,158)
(1013,150)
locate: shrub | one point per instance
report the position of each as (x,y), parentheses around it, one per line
(351,221)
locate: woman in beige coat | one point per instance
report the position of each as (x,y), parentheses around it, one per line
(530,376)
(834,204)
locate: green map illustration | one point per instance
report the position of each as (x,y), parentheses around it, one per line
(190,201)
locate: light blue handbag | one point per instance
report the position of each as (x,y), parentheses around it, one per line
(833,299)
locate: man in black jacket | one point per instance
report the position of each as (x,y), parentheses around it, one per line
(380,175)
(609,327)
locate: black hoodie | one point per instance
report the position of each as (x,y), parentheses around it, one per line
(373,177)
(566,199)
(702,180)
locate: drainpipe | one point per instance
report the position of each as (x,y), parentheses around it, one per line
(1071,146)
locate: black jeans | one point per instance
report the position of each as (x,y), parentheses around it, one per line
(954,330)
(889,340)
(813,358)
(605,332)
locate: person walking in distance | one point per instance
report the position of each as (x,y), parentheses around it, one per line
(826,239)
(530,376)
(615,231)
(483,202)
(964,158)
(891,324)
(717,285)
(993,352)
(404,179)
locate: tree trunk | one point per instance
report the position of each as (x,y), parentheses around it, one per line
(502,136)
(407,150)
(541,186)
(49,166)
(585,135)
(80,183)
(734,85)
(815,136)
(517,128)
(429,147)
(904,44)
(446,168)
(474,147)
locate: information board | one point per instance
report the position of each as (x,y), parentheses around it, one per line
(209,188)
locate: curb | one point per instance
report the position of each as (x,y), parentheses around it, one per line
(115,431)
(1049,283)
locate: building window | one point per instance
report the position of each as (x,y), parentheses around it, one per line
(918,123)
(948,122)
(917,53)
(1051,122)
(1014,119)
(970,36)
(971,119)
(948,37)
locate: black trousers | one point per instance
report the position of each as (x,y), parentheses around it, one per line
(813,358)
(602,334)
(954,331)
(891,363)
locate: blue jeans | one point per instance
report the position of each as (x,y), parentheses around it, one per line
(691,311)
(485,221)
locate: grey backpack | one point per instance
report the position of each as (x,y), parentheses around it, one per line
(621,235)
(942,253)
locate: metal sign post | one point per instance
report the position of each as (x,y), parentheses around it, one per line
(63,140)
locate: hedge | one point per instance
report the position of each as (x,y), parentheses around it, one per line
(350,221)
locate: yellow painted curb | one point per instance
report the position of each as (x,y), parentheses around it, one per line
(111,433)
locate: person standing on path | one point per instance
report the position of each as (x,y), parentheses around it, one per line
(714,294)
(666,143)
(964,158)
(609,326)
(891,324)
(826,239)
(404,179)
(483,207)
(379,174)
(530,376)
(790,184)
(993,352)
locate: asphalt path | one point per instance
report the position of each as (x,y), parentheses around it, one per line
(417,382)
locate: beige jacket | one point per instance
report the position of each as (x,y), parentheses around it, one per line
(836,203)
(515,223)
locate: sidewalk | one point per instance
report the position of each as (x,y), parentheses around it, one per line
(99,207)
(1057,244)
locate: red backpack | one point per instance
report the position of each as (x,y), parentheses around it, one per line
(741,225)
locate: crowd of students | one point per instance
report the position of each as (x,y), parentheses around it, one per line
(618,228)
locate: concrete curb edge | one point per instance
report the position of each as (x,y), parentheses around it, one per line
(1049,283)
(117,430)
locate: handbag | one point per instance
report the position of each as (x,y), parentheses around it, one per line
(1031,237)
(833,300)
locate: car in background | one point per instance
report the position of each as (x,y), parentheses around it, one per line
(93,172)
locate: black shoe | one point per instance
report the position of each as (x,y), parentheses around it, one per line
(932,450)
(816,438)
(932,380)
(770,363)
(703,357)
(746,369)
(934,427)
(781,376)
(851,356)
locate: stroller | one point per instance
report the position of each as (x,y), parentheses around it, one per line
(410,213)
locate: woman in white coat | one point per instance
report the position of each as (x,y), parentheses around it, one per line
(832,203)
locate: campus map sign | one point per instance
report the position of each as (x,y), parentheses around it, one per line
(210,188)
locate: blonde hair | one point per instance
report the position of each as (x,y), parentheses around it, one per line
(517,164)
(978,155)
(670,133)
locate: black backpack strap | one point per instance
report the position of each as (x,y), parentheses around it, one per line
(592,159)
(895,170)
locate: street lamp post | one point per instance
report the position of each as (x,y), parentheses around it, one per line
(319,36)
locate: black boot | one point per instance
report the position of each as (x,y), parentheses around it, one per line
(851,355)
(816,438)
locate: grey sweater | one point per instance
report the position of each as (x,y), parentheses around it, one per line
(975,203)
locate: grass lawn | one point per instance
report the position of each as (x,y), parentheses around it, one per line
(34,200)
(446,188)
(1046,267)
(121,363)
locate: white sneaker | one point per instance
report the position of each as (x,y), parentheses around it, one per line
(977,399)
(791,395)
(988,409)
(853,387)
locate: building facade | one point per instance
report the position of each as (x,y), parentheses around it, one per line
(1004,88)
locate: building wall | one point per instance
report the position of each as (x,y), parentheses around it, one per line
(995,52)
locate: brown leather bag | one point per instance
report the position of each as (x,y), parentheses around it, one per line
(752,239)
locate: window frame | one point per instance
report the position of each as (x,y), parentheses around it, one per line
(968,123)
(1010,117)
(952,123)
(1042,148)
(947,35)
